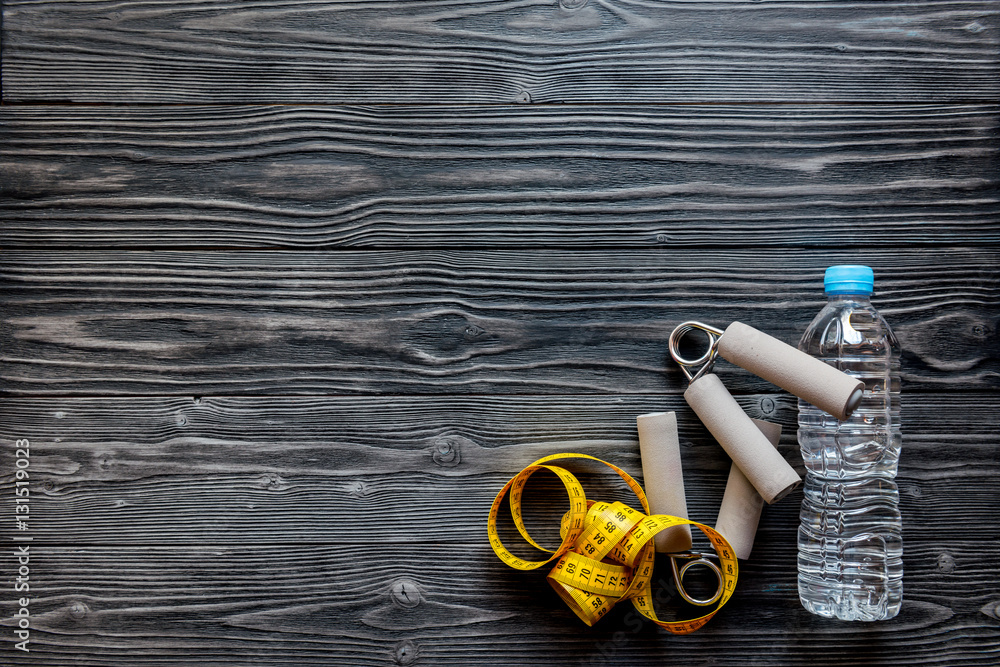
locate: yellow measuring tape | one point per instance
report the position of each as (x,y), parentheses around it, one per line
(607,552)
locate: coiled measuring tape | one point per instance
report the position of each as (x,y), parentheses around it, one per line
(606,554)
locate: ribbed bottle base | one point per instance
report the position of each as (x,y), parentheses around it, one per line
(848,604)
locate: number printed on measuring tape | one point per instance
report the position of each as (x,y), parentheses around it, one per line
(606,554)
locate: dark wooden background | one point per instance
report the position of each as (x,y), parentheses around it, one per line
(290,289)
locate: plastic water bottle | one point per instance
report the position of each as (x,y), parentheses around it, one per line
(850,536)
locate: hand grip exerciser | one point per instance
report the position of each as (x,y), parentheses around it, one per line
(660,451)
(794,371)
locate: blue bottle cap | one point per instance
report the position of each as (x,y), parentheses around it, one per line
(849,279)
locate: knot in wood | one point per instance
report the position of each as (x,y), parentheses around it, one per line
(572,4)
(524,97)
(946,563)
(404,653)
(766,406)
(472,331)
(78,610)
(270,481)
(405,593)
(991,609)
(447,452)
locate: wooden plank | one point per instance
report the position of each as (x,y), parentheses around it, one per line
(639,176)
(227,471)
(104,439)
(436,51)
(449,605)
(411,509)
(444,322)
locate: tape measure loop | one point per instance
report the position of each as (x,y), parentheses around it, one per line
(594,533)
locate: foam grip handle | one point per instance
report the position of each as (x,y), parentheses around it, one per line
(660,450)
(769,473)
(741,504)
(793,370)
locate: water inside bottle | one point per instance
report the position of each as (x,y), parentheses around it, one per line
(850,534)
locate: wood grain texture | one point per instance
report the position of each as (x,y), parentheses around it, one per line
(413,508)
(453,605)
(408,271)
(226,471)
(455,322)
(436,51)
(201,481)
(639,176)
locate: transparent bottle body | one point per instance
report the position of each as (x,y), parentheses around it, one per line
(850,533)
